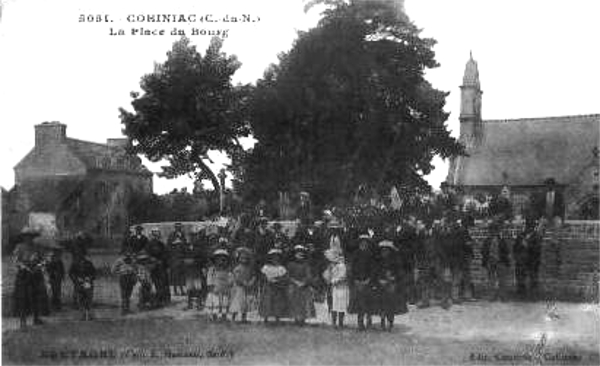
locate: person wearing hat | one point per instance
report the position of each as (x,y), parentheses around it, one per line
(362,279)
(300,293)
(495,258)
(124,267)
(263,241)
(135,242)
(273,297)
(176,246)
(219,280)
(157,249)
(145,264)
(195,265)
(83,274)
(244,279)
(29,278)
(336,277)
(389,292)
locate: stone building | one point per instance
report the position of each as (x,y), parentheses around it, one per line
(547,164)
(80,185)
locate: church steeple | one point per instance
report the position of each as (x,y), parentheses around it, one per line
(471,128)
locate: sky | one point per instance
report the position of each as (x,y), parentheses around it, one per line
(536,58)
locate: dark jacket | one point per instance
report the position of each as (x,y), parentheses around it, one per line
(503,251)
(82,270)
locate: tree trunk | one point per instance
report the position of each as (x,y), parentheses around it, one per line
(209,173)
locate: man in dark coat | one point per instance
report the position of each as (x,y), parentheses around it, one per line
(56,273)
(521,260)
(461,265)
(160,274)
(263,241)
(136,242)
(495,258)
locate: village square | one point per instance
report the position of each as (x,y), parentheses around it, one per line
(309,231)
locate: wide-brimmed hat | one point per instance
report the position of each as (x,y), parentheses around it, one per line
(220,252)
(244,251)
(273,252)
(300,248)
(387,244)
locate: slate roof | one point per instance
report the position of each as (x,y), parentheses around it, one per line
(527,151)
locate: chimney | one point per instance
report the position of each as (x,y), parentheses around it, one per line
(50,133)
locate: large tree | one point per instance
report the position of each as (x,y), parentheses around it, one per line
(188,107)
(349,107)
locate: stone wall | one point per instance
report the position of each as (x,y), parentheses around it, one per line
(570,261)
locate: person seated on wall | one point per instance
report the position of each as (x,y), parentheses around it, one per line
(501,206)
(549,203)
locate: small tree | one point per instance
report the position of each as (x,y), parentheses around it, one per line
(188,107)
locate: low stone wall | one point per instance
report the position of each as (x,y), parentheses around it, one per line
(570,260)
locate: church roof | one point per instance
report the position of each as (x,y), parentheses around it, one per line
(527,151)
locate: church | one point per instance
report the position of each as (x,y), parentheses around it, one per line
(546,166)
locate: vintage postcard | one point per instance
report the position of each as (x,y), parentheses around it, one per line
(311,182)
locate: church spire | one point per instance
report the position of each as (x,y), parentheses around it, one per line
(471,77)
(470,106)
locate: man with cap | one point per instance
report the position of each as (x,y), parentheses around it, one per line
(29,278)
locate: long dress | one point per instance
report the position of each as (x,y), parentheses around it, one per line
(242,300)
(273,298)
(390,291)
(336,276)
(29,283)
(300,294)
(221,279)
(362,276)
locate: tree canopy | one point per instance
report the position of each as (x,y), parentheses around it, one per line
(348,107)
(188,107)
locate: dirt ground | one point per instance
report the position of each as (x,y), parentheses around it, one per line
(477,333)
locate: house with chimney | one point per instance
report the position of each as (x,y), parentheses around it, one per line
(547,166)
(77,185)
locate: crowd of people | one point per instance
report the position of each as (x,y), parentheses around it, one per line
(360,265)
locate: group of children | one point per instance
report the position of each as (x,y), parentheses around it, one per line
(280,288)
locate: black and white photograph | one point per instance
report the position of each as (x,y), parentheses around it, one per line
(300,182)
